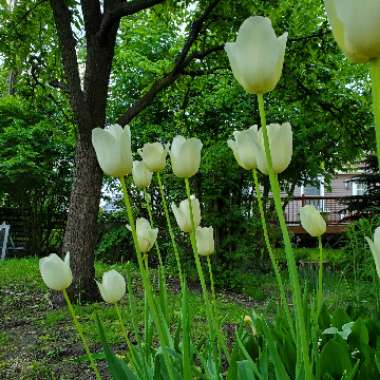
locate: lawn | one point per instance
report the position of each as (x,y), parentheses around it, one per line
(38,341)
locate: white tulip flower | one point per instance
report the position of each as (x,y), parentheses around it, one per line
(312,221)
(113,149)
(257,56)
(182,214)
(246,147)
(146,235)
(142,176)
(154,156)
(356,27)
(281,147)
(205,240)
(112,288)
(185,156)
(375,248)
(55,272)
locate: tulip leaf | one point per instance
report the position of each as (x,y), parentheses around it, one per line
(245,370)
(119,370)
(335,358)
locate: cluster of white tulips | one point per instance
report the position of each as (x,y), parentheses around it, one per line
(256,59)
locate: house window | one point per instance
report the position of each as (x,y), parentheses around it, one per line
(359,188)
(315,191)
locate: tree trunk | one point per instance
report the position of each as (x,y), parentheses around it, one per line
(81,228)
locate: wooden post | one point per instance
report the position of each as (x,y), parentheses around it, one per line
(4,227)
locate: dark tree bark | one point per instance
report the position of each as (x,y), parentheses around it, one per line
(89,107)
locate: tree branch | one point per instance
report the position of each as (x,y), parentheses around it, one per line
(158,86)
(194,31)
(91,15)
(181,62)
(62,18)
(113,15)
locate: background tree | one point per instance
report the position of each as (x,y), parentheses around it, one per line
(163,70)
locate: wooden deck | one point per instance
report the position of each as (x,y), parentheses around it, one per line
(334,210)
(331,229)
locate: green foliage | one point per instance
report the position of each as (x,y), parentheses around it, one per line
(35,169)
(351,356)
(359,261)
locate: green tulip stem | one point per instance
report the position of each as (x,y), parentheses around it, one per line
(171,233)
(219,331)
(375,76)
(162,282)
(79,329)
(211,278)
(124,332)
(150,214)
(271,254)
(132,303)
(292,268)
(320,275)
(161,324)
(209,311)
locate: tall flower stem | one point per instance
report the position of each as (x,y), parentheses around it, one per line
(276,269)
(128,341)
(292,268)
(132,303)
(79,329)
(161,324)
(150,214)
(375,76)
(162,277)
(320,275)
(211,279)
(170,228)
(198,265)
(219,332)
(146,308)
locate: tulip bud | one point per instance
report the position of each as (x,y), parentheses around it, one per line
(249,323)
(246,147)
(247,320)
(312,221)
(146,235)
(142,176)
(113,149)
(182,214)
(112,288)
(356,27)
(257,56)
(185,156)
(55,272)
(375,248)
(280,138)
(205,240)
(154,156)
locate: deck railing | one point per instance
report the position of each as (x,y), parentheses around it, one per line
(334,209)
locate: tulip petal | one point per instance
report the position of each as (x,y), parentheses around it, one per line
(375,253)
(257,56)
(376,239)
(113,150)
(113,286)
(356,28)
(185,156)
(55,273)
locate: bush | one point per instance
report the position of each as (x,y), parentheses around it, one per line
(114,243)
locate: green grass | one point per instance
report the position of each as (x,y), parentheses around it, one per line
(42,341)
(39,342)
(333,256)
